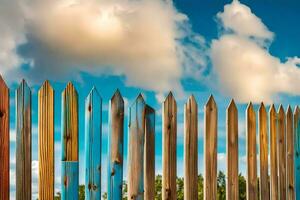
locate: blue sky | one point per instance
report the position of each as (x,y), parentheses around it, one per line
(244,50)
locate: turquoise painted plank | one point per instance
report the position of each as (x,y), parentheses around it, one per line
(115,147)
(93,132)
(69,179)
(23,144)
(136,149)
(297,151)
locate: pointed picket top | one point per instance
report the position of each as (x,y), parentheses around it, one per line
(138,99)
(211,101)
(250,109)
(3,85)
(192,101)
(170,98)
(23,84)
(281,110)
(94,93)
(117,96)
(296,110)
(232,106)
(46,88)
(289,111)
(70,89)
(262,108)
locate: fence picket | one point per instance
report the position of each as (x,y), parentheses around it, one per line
(252,189)
(232,186)
(297,151)
(169,121)
(93,135)
(282,153)
(149,157)
(191,149)
(210,149)
(115,148)
(69,143)
(273,153)
(136,149)
(263,153)
(46,141)
(23,148)
(4,140)
(290,154)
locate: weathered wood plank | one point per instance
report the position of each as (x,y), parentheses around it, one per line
(263,155)
(232,186)
(4,140)
(290,154)
(93,135)
(46,141)
(70,180)
(252,188)
(297,150)
(273,153)
(149,157)
(115,148)
(210,149)
(136,149)
(23,146)
(191,149)
(69,140)
(169,121)
(69,122)
(282,153)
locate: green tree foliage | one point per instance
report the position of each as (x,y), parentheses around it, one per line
(221,188)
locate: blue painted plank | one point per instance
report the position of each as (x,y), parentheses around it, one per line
(136,149)
(115,147)
(23,144)
(297,151)
(93,120)
(69,179)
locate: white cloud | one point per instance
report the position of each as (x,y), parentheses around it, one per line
(140,40)
(242,62)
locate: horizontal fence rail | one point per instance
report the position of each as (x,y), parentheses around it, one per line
(272,147)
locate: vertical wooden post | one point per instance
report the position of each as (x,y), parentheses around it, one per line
(290,154)
(191,149)
(251,153)
(149,157)
(136,149)
(232,183)
(169,121)
(273,153)
(23,149)
(115,147)
(263,153)
(297,150)
(210,149)
(69,140)
(46,141)
(4,140)
(93,132)
(282,153)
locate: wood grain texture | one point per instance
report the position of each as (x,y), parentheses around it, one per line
(252,188)
(273,153)
(46,141)
(282,154)
(23,145)
(169,121)
(290,154)
(263,155)
(232,186)
(93,135)
(149,156)
(297,151)
(70,180)
(191,149)
(69,124)
(115,147)
(4,140)
(136,149)
(210,149)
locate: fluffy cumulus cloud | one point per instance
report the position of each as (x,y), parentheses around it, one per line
(149,43)
(242,62)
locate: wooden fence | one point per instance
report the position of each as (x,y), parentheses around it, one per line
(281,128)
